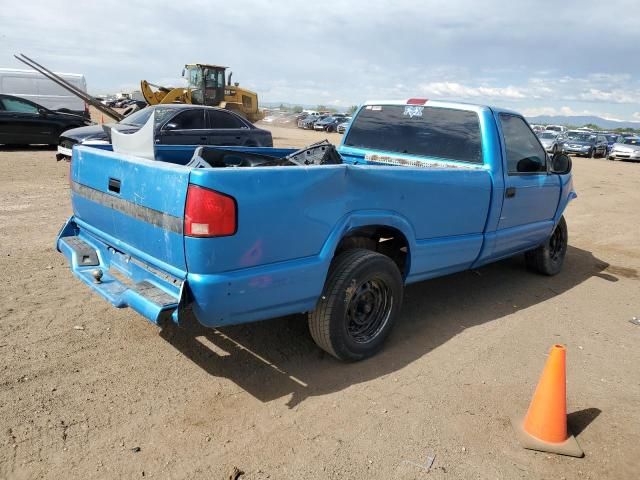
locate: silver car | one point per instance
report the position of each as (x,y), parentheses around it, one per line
(628,149)
(551,141)
(342,127)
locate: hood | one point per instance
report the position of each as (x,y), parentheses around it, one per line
(97,132)
(547,141)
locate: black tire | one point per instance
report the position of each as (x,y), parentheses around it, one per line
(548,258)
(592,153)
(359,304)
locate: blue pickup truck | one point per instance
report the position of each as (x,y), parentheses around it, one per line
(417,189)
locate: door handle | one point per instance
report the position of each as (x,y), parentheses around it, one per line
(204,139)
(510,192)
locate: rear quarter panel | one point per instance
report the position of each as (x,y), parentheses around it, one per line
(290,220)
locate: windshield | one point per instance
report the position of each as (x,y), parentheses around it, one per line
(580,137)
(417,130)
(194,77)
(140,117)
(554,129)
(632,141)
(550,135)
(612,138)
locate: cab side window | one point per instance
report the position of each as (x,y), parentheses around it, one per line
(524,152)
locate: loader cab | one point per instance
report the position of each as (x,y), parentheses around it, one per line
(206,82)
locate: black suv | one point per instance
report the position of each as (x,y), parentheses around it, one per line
(23,122)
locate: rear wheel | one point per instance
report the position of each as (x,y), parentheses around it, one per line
(548,258)
(360,302)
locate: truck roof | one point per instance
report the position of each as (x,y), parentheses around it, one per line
(441,103)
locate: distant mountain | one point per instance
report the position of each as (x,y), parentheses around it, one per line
(579,121)
(303,105)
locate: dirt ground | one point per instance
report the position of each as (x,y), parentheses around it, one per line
(89,391)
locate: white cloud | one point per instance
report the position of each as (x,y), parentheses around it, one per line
(457,90)
(612,96)
(568,112)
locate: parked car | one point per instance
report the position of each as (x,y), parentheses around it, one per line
(626,149)
(585,144)
(176,124)
(23,122)
(329,124)
(303,118)
(551,140)
(342,127)
(216,244)
(611,139)
(310,121)
(122,102)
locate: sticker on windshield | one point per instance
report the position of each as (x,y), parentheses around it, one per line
(413,111)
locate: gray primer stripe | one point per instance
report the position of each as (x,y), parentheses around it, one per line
(139,212)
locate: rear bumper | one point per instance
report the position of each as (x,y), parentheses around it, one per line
(624,156)
(124,281)
(214,300)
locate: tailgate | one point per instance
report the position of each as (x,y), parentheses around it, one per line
(136,201)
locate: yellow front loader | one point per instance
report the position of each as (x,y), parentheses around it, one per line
(206,85)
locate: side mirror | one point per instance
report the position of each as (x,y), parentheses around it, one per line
(170,126)
(561,164)
(42,111)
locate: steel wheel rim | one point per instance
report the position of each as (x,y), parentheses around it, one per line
(369,310)
(555,244)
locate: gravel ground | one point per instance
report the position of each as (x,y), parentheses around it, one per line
(90,391)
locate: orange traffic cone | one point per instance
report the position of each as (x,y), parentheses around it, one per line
(544,428)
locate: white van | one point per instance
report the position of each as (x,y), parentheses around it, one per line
(34,86)
(557,128)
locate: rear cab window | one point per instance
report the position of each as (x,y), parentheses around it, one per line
(432,132)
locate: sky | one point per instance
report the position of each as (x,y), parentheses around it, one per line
(537,57)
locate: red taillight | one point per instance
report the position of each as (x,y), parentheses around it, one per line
(209,213)
(416,101)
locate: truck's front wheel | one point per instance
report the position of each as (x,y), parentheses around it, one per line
(549,257)
(360,301)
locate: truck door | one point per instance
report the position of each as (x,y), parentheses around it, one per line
(531,193)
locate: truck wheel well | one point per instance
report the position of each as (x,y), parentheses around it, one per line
(378,238)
